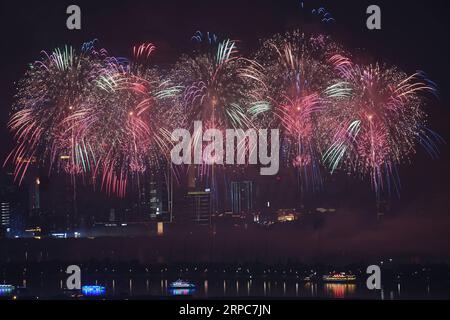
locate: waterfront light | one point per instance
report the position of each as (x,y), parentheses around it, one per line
(6,289)
(93,291)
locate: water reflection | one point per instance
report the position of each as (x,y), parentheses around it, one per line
(340,290)
(181,292)
(220,287)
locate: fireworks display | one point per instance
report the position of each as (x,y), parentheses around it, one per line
(214,90)
(131,120)
(52,97)
(290,96)
(93,115)
(109,119)
(377,122)
(216,93)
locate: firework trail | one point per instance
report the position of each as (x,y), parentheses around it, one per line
(321,13)
(324,15)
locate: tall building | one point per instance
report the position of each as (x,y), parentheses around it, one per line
(35,195)
(5,217)
(199,207)
(35,215)
(154,202)
(242,196)
(112,215)
(58,205)
(12,207)
(158,199)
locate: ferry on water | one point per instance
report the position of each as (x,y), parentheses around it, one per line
(181,284)
(339,277)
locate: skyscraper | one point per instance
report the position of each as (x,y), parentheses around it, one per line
(242,195)
(199,207)
(12,207)
(154,200)
(35,195)
(5,216)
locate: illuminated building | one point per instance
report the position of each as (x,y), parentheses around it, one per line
(287,215)
(199,207)
(242,196)
(5,215)
(155,198)
(11,215)
(35,197)
(33,232)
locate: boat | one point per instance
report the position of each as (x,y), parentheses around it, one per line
(93,291)
(181,288)
(6,289)
(181,284)
(339,277)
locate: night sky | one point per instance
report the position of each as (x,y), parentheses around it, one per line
(414,36)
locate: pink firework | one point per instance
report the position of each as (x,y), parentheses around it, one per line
(377,121)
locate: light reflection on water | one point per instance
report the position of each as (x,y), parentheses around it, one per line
(340,290)
(236,288)
(181,292)
(231,287)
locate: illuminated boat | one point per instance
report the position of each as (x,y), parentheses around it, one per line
(93,291)
(339,277)
(6,289)
(181,288)
(181,284)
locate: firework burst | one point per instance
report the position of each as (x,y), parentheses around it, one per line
(133,119)
(215,92)
(50,102)
(376,121)
(291,79)
(110,119)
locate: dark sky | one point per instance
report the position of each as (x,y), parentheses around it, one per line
(414,36)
